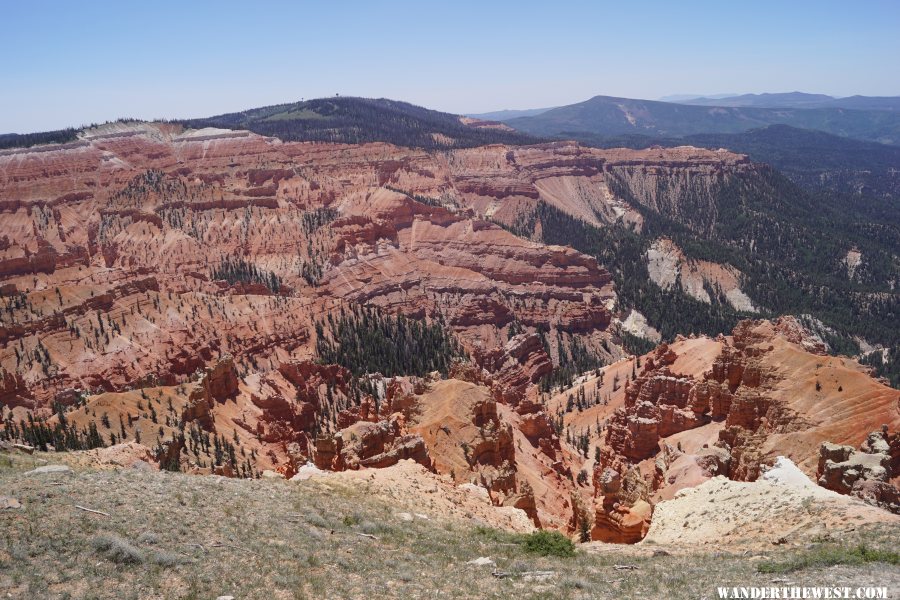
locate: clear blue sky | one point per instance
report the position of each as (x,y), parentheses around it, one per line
(65,64)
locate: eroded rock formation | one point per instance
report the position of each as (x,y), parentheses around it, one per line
(768,390)
(866,473)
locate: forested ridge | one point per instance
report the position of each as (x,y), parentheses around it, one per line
(26,140)
(789,245)
(362,120)
(817,161)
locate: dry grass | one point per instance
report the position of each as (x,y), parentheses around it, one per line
(179,536)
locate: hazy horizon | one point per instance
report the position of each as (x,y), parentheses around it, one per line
(71,66)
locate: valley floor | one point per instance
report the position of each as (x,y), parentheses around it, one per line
(170,535)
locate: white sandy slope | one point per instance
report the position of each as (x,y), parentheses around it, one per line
(783,506)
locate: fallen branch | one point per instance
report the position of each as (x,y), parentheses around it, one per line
(537,574)
(221,545)
(91,510)
(527,575)
(625,567)
(367,535)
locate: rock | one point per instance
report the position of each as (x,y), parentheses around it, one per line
(785,472)
(482,561)
(375,445)
(13,389)
(124,455)
(617,523)
(525,501)
(24,448)
(876,443)
(878,493)
(144,466)
(216,383)
(405,516)
(865,473)
(270,474)
(476,490)
(714,460)
(306,471)
(50,469)
(608,483)
(515,366)
(840,476)
(7,502)
(744,387)
(405,447)
(466,437)
(327,453)
(834,453)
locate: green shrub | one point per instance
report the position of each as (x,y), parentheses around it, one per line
(549,543)
(351,520)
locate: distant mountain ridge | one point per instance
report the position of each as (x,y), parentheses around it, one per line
(611,116)
(797,100)
(506,114)
(680,98)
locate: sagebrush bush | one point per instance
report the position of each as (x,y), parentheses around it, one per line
(165,559)
(118,550)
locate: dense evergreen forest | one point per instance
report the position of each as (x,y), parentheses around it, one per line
(235,269)
(26,140)
(790,245)
(573,358)
(787,243)
(361,120)
(815,160)
(889,367)
(364,340)
(790,240)
(623,252)
(61,435)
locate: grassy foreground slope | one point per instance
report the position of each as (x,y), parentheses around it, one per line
(180,536)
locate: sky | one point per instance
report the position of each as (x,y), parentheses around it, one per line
(71,64)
